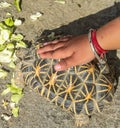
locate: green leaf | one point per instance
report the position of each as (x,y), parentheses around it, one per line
(11,65)
(9,22)
(3,73)
(2,26)
(2,47)
(15,89)
(16,98)
(15,111)
(10,46)
(17,4)
(16,37)
(6,91)
(21,44)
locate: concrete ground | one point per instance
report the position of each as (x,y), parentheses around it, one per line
(74,17)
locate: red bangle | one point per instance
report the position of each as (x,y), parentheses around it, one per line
(97,50)
(96,45)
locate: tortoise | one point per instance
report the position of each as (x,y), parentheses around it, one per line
(82,89)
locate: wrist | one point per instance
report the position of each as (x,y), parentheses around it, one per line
(102,39)
(96,44)
(98,51)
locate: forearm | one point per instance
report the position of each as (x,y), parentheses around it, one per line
(108,35)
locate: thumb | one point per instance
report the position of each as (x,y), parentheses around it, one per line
(64,64)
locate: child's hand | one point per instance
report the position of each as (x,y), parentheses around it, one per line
(70,50)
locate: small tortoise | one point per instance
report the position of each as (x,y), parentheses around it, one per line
(81,89)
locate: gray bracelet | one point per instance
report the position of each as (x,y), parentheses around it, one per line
(100,60)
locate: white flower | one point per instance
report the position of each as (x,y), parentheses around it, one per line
(17,22)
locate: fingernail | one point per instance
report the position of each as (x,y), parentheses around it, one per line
(57,67)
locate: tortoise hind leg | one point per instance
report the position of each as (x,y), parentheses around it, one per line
(81,119)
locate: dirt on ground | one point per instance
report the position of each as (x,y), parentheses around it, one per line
(72,18)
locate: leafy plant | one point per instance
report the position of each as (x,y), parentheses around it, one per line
(10,42)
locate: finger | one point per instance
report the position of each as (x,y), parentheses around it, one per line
(62,39)
(65,64)
(50,47)
(57,54)
(65,38)
(50,42)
